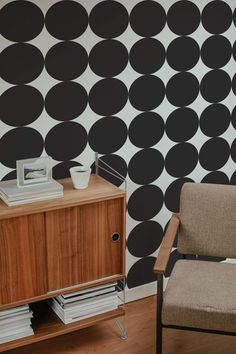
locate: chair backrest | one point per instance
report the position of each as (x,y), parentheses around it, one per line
(208,220)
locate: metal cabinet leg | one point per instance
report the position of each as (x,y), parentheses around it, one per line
(123,334)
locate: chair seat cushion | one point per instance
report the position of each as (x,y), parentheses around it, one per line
(201,294)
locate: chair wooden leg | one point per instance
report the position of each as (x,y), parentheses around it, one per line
(159,310)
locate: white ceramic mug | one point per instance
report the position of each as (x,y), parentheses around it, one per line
(80,176)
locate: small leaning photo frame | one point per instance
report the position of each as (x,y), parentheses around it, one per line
(34,171)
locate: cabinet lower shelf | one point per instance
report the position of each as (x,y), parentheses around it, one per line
(47,325)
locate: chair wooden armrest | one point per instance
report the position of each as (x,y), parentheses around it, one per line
(166,246)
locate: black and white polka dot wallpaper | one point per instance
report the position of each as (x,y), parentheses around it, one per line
(150,85)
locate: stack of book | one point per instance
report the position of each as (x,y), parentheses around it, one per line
(15,323)
(12,195)
(85,303)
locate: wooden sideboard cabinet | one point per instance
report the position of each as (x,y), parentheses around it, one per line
(59,246)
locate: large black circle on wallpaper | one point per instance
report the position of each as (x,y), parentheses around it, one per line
(146,129)
(181,159)
(107,135)
(141,272)
(216,51)
(182,89)
(62,169)
(146,92)
(27,18)
(216,17)
(108,96)
(66,100)
(182,124)
(145,202)
(10,175)
(217,177)
(20,143)
(65,141)
(21,63)
(147,18)
(145,238)
(215,120)
(183,53)
(108,58)
(115,168)
(146,166)
(233,117)
(215,85)
(152,60)
(183,17)
(214,154)
(172,194)
(66,60)
(234,50)
(20,105)
(233,150)
(233,178)
(234,84)
(108,19)
(66,20)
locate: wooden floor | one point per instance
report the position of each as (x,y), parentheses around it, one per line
(140,323)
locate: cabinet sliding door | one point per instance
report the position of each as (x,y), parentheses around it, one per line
(22,258)
(80,247)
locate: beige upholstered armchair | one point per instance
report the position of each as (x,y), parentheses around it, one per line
(200,295)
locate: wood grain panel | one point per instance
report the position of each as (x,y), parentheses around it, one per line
(22,258)
(110,253)
(79,245)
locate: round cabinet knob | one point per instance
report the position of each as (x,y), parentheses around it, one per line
(115,237)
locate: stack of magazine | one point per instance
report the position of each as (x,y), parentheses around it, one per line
(12,195)
(85,303)
(15,323)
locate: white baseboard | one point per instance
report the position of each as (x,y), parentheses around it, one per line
(140,292)
(143,291)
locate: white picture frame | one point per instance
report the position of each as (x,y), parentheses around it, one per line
(34,171)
